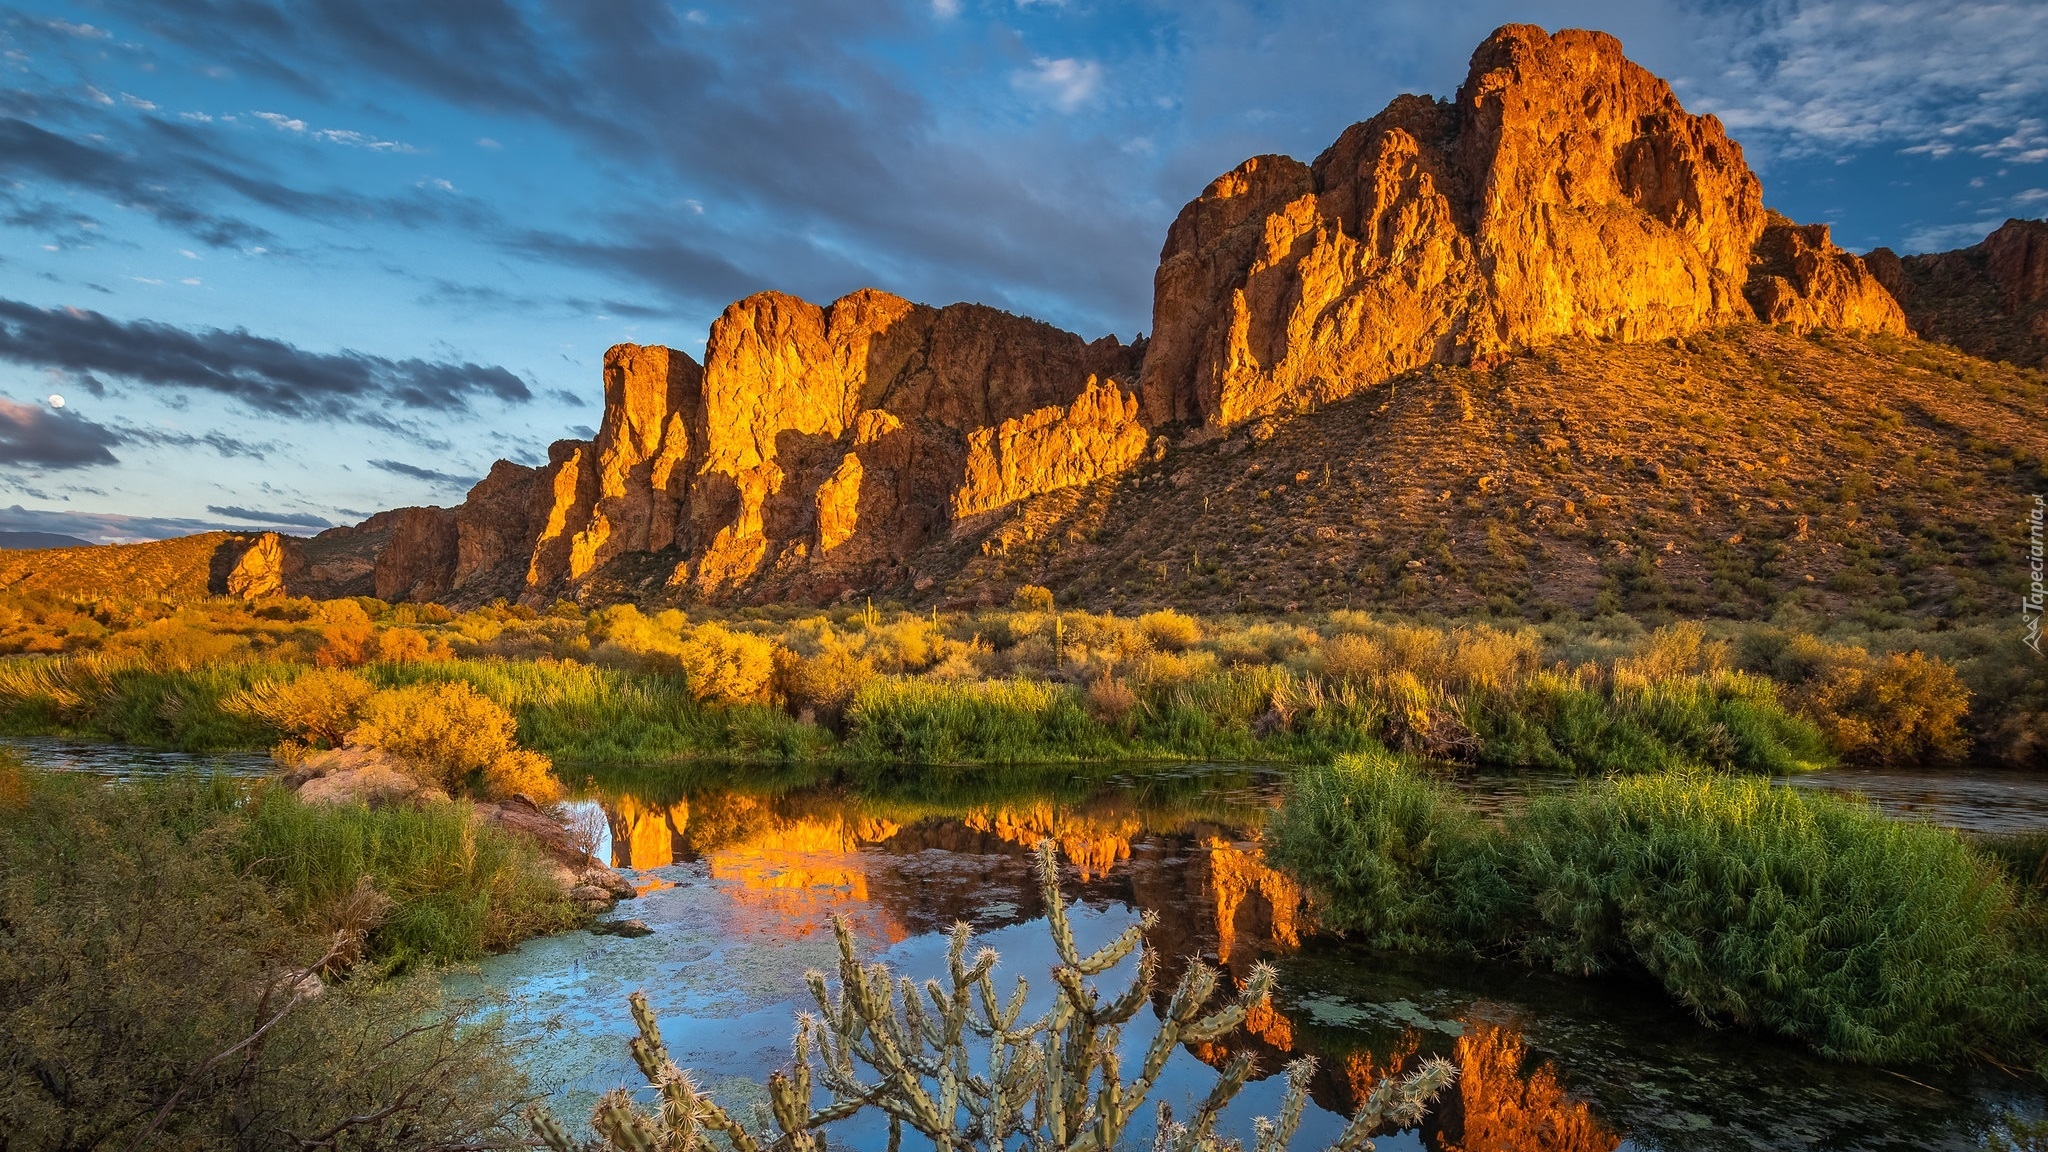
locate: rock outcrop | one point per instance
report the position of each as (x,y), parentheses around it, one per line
(261,569)
(1564,192)
(1801,279)
(1990,299)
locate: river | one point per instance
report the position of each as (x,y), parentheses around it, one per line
(740,872)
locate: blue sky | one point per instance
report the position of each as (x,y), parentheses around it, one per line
(288,264)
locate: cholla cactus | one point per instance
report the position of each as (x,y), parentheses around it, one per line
(1054,1084)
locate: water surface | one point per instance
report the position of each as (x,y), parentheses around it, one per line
(740,880)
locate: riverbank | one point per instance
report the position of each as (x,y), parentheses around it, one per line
(214,964)
(1036,684)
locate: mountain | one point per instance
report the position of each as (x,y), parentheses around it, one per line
(1534,345)
(31,540)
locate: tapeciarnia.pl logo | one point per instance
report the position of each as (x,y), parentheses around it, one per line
(2037,591)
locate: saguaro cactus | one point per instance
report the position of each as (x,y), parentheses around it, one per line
(1054,1084)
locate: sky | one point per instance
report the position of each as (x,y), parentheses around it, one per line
(287,264)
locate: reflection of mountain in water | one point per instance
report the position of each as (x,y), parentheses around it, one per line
(906,868)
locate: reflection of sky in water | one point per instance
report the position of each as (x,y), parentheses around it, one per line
(1549,1063)
(126,761)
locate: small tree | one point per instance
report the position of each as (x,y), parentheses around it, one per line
(1054,1083)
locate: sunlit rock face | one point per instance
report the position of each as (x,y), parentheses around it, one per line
(1563,192)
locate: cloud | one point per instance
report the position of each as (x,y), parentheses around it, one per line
(43,437)
(266,374)
(1929,76)
(415,472)
(1066,82)
(29,154)
(353,139)
(108,527)
(295,519)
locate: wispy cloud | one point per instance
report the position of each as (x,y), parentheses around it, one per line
(349,137)
(431,476)
(295,519)
(1065,82)
(1929,76)
(266,374)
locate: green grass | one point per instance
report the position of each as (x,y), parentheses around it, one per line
(457,890)
(585,715)
(1870,939)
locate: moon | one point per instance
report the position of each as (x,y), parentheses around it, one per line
(56,401)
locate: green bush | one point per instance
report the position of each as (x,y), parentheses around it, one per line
(139,960)
(1396,858)
(1873,940)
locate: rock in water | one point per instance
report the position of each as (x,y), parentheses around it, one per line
(630,929)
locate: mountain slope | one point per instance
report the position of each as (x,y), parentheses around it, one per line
(1728,473)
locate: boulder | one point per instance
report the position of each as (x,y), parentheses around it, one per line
(359,776)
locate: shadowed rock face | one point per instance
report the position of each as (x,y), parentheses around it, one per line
(1990,299)
(1563,192)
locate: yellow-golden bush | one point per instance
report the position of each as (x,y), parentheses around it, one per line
(318,706)
(455,737)
(726,667)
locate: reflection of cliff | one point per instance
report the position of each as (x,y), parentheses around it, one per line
(787,862)
(1092,844)
(1499,1102)
(1494,1107)
(800,856)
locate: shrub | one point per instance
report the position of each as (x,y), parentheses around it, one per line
(318,705)
(1871,939)
(346,635)
(455,737)
(1874,940)
(1391,855)
(140,961)
(400,645)
(1031,598)
(1170,631)
(726,667)
(824,683)
(1110,700)
(1903,708)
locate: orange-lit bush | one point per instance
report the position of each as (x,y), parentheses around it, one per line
(319,706)
(457,738)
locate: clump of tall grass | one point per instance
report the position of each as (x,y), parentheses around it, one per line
(1397,858)
(1870,939)
(456,889)
(994,722)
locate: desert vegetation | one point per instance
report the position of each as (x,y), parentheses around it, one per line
(483,698)
(190,964)
(1871,939)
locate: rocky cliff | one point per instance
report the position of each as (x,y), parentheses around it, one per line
(815,449)
(1990,299)
(1563,192)
(874,444)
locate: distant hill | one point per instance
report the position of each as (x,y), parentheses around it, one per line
(28,540)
